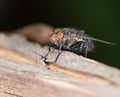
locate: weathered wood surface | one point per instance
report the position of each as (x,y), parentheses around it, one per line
(23,73)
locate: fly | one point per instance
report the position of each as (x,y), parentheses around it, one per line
(73,40)
(68,39)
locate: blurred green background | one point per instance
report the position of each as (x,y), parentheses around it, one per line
(100,19)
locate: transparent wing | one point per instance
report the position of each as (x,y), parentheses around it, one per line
(102,41)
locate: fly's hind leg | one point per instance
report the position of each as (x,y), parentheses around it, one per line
(83,49)
(86,52)
(86,49)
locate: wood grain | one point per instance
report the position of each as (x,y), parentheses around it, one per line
(70,76)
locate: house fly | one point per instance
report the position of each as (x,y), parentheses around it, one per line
(73,40)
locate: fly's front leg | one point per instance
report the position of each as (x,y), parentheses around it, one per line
(59,52)
(49,49)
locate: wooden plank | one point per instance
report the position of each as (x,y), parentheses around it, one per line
(70,76)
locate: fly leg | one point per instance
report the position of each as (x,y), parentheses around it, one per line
(79,48)
(45,57)
(59,52)
(83,48)
(86,49)
(86,52)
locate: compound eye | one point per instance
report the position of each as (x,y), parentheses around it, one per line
(58,33)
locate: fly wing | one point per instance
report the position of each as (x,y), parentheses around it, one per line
(102,41)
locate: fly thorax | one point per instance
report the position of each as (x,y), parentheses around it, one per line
(67,41)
